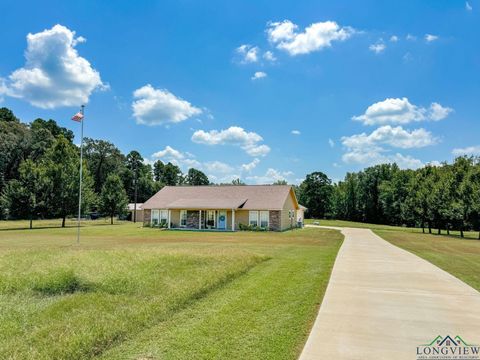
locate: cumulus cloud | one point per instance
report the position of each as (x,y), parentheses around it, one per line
(159,106)
(315,37)
(401,111)
(374,148)
(295,132)
(470,150)
(430,37)
(215,170)
(394,38)
(250,166)
(54,74)
(271,176)
(269,56)
(374,158)
(392,136)
(377,48)
(217,167)
(234,135)
(248,53)
(259,75)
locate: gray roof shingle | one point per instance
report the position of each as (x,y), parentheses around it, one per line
(248,197)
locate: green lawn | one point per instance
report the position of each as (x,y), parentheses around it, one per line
(139,293)
(342,223)
(459,257)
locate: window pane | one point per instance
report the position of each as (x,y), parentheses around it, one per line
(183,217)
(264,219)
(253,218)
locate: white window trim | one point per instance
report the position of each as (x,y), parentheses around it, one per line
(181,218)
(161,217)
(256,217)
(260,218)
(153,217)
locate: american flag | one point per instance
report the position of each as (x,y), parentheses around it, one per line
(77,117)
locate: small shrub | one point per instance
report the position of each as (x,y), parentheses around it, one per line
(63,281)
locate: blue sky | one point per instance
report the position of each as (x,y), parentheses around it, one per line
(260,90)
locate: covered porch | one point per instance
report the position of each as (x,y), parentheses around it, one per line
(195,219)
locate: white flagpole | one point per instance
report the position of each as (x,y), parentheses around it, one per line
(81,173)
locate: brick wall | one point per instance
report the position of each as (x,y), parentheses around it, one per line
(275,220)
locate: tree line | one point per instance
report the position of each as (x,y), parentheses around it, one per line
(39,173)
(444,197)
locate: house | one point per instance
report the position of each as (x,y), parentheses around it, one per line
(272,207)
(139,212)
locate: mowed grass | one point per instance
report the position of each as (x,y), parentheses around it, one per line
(459,257)
(354,224)
(128,292)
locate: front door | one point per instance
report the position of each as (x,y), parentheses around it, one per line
(222,220)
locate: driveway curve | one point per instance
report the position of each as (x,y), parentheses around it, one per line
(382,302)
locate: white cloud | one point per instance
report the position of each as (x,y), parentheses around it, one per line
(269,56)
(369,158)
(430,37)
(248,53)
(54,74)
(401,111)
(159,106)
(470,150)
(377,48)
(251,165)
(468,7)
(371,149)
(438,112)
(411,37)
(271,176)
(392,136)
(296,132)
(394,38)
(314,38)
(259,75)
(331,143)
(234,135)
(217,167)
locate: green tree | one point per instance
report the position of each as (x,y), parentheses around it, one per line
(113,198)
(172,175)
(61,163)
(237,182)
(103,158)
(316,194)
(24,197)
(52,127)
(158,174)
(196,177)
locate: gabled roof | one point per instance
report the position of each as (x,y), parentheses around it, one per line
(248,197)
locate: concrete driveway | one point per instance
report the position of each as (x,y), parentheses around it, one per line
(382,302)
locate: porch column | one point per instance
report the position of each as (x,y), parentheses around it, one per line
(169,217)
(199,219)
(233,219)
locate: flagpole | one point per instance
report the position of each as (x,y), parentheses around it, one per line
(81,175)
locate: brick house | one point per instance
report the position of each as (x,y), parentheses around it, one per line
(273,207)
